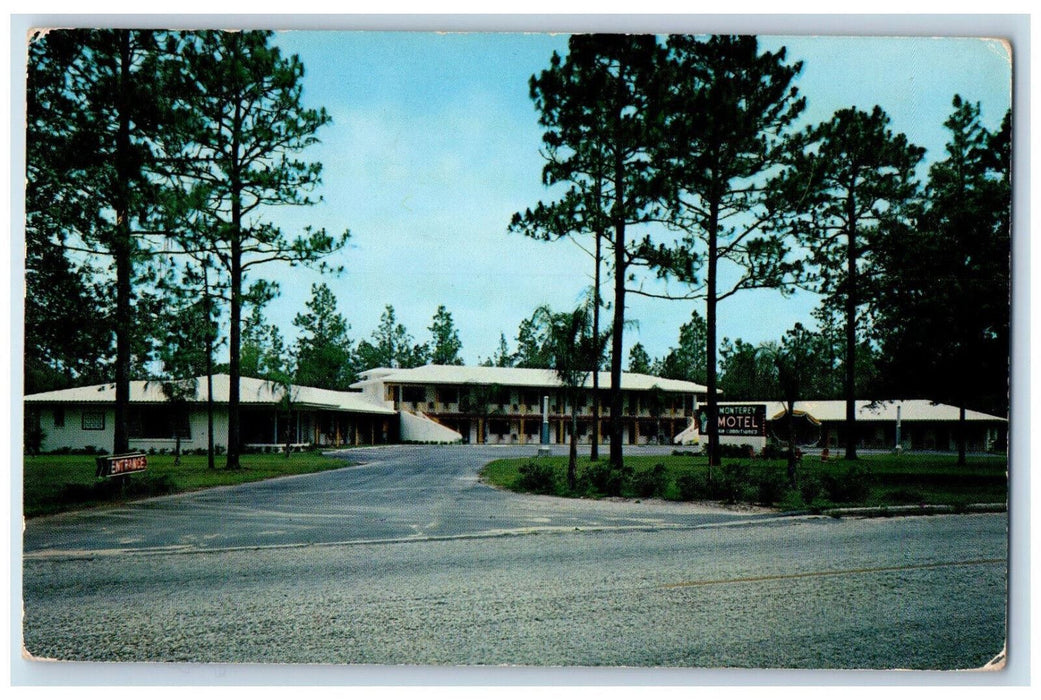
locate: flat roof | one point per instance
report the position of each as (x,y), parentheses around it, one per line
(516,377)
(911,410)
(252,391)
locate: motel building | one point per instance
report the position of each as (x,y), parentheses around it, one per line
(478,405)
(430,404)
(83,418)
(912,424)
(505,405)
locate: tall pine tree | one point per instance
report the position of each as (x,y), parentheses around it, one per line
(728,109)
(97,113)
(597,107)
(944,282)
(240,158)
(849,181)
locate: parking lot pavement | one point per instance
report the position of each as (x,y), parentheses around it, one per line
(401,492)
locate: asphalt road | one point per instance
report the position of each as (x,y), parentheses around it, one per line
(409,560)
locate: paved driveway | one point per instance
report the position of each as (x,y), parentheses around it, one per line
(390,494)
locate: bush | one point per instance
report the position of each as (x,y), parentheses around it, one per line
(691,487)
(115,488)
(651,483)
(537,477)
(770,488)
(731,483)
(34,439)
(736,451)
(734,482)
(851,487)
(810,489)
(600,478)
(773,451)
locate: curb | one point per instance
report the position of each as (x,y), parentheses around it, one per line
(922,509)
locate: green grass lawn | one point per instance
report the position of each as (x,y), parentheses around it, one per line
(879,480)
(56,483)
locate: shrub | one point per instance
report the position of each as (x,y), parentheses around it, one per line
(600,478)
(536,477)
(159,485)
(810,489)
(791,501)
(730,484)
(690,486)
(651,482)
(736,451)
(116,488)
(770,488)
(34,439)
(773,451)
(853,486)
(734,482)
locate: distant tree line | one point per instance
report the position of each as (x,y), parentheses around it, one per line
(325,356)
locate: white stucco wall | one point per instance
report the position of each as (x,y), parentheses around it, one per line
(73,436)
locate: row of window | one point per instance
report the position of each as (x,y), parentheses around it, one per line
(89,420)
(504,396)
(148,422)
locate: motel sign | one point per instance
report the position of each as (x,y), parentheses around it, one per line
(745,420)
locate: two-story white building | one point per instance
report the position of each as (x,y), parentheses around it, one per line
(504,405)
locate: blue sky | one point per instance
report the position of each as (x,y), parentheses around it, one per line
(434,144)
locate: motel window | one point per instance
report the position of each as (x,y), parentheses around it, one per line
(158,423)
(59,417)
(498,427)
(447,394)
(413,394)
(93,420)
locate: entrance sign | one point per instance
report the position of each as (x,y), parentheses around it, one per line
(120,465)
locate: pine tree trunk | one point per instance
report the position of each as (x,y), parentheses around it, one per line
(710,340)
(210,462)
(619,316)
(121,250)
(850,389)
(235,326)
(594,450)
